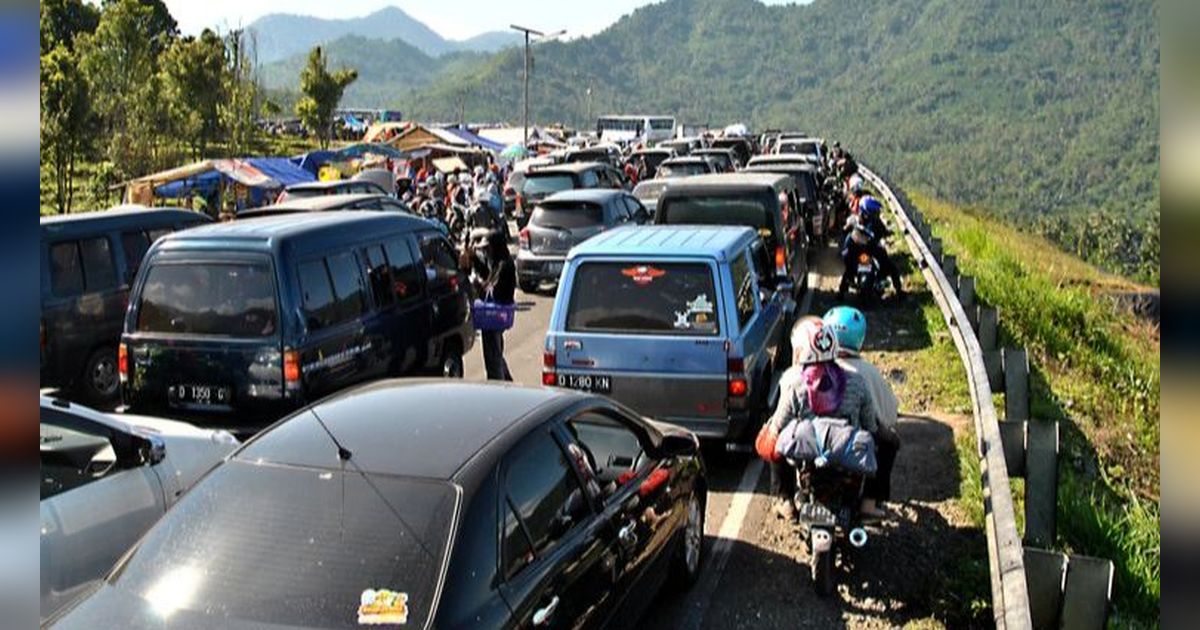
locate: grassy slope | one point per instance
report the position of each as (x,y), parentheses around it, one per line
(1096,371)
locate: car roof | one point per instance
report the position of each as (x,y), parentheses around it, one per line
(119,213)
(741,179)
(719,241)
(568,167)
(781,166)
(593,195)
(323,202)
(407,427)
(658,149)
(337,183)
(685,159)
(283,227)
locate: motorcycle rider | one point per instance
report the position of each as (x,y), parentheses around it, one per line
(850,326)
(866,231)
(481,214)
(815,385)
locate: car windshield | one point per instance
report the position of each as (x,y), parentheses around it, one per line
(290,546)
(542,185)
(643,298)
(715,210)
(208,298)
(567,215)
(682,169)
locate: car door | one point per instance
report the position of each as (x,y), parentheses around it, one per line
(333,303)
(89,515)
(557,562)
(635,504)
(772,307)
(446,285)
(87,300)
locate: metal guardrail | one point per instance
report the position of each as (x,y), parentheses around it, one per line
(1010,594)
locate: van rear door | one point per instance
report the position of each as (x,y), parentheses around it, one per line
(648,333)
(204,337)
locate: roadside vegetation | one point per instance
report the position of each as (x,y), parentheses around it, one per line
(1095,370)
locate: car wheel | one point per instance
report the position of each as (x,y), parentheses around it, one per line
(100,382)
(685,569)
(528,286)
(452,362)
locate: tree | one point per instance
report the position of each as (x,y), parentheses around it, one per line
(62,20)
(66,121)
(239,109)
(193,72)
(322,92)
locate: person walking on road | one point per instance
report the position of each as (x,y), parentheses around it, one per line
(850,326)
(494,274)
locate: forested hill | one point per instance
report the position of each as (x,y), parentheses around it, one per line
(1044,111)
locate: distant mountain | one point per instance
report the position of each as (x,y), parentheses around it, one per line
(280,35)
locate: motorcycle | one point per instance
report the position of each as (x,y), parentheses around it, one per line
(827,503)
(869,281)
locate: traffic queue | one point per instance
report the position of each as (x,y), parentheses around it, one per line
(315,349)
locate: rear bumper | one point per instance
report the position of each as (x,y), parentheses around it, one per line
(732,428)
(534,267)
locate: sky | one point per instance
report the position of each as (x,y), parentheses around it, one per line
(455,19)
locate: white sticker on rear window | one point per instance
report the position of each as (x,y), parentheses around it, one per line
(697,316)
(382,607)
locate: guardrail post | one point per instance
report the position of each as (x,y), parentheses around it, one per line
(989,320)
(935,247)
(1016,384)
(966,294)
(1013,438)
(1046,577)
(1087,593)
(993,362)
(950,267)
(1041,482)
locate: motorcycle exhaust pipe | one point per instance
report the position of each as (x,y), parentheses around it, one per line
(858,537)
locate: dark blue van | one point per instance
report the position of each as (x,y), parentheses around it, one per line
(242,322)
(88,262)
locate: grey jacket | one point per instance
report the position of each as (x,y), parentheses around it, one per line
(857,406)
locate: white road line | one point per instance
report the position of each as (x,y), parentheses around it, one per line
(731,527)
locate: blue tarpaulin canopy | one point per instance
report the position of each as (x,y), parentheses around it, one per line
(314,160)
(476,139)
(262,175)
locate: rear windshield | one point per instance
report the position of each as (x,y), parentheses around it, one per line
(643,298)
(547,184)
(567,215)
(649,190)
(716,210)
(232,299)
(681,170)
(798,147)
(320,548)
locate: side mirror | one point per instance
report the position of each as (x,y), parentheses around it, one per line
(641,217)
(156,449)
(678,445)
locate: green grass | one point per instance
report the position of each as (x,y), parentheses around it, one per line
(1096,371)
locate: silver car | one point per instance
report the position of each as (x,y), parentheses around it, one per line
(105,479)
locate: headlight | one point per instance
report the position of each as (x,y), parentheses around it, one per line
(226,438)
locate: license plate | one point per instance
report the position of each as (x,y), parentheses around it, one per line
(554,267)
(864,269)
(201,395)
(597,383)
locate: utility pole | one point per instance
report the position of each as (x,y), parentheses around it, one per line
(525,101)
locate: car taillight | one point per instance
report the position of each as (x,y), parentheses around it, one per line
(123,362)
(780,260)
(738,385)
(549,361)
(523,238)
(291,369)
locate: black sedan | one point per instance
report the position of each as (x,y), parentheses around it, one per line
(428,504)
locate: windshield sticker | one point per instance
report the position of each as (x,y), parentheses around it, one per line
(643,275)
(698,315)
(700,305)
(382,607)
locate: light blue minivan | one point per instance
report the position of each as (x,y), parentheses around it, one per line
(681,323)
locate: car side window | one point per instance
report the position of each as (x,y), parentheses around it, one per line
(316,294)
(589,179)
(636,210)
(439,258)
(99,266)
(66,271)
(134,245)
(613,454)
(543,497)
(405,273)
(620,212)
(158,233)
(747,296)
(76,451)
(379,276)
(347,286)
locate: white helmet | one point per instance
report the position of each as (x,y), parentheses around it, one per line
(478,171)
(856,184)
(813,341)
(452,178)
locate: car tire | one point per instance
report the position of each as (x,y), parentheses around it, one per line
(99,383)
(689,558)
(451,364)
(527,286)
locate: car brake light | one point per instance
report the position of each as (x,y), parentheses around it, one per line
(738,385)
(123,362)
(523,238)
(780,260)
(549,361)
(291,368)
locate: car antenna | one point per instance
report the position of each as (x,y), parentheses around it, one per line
(344,453)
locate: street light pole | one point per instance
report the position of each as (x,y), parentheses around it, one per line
(525,100)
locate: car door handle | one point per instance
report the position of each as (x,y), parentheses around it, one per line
(542,616)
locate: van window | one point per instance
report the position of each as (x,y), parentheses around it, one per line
(406,274)
(743,283)
(437,255)
(99,267)
(208,298)
(644,298)
(135,245)
(347,286)
(66,273)
(317,295)
(379,276)
(589,179)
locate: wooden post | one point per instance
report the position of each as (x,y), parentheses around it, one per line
(966,293)
(935,247)
(993,362)
(1013,437)
(950,266)
(1041,483)
(1016,384)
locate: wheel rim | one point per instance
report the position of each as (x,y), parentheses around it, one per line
(693,537)
(104,377)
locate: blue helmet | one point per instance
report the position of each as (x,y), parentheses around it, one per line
(869,206)
(850,326)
